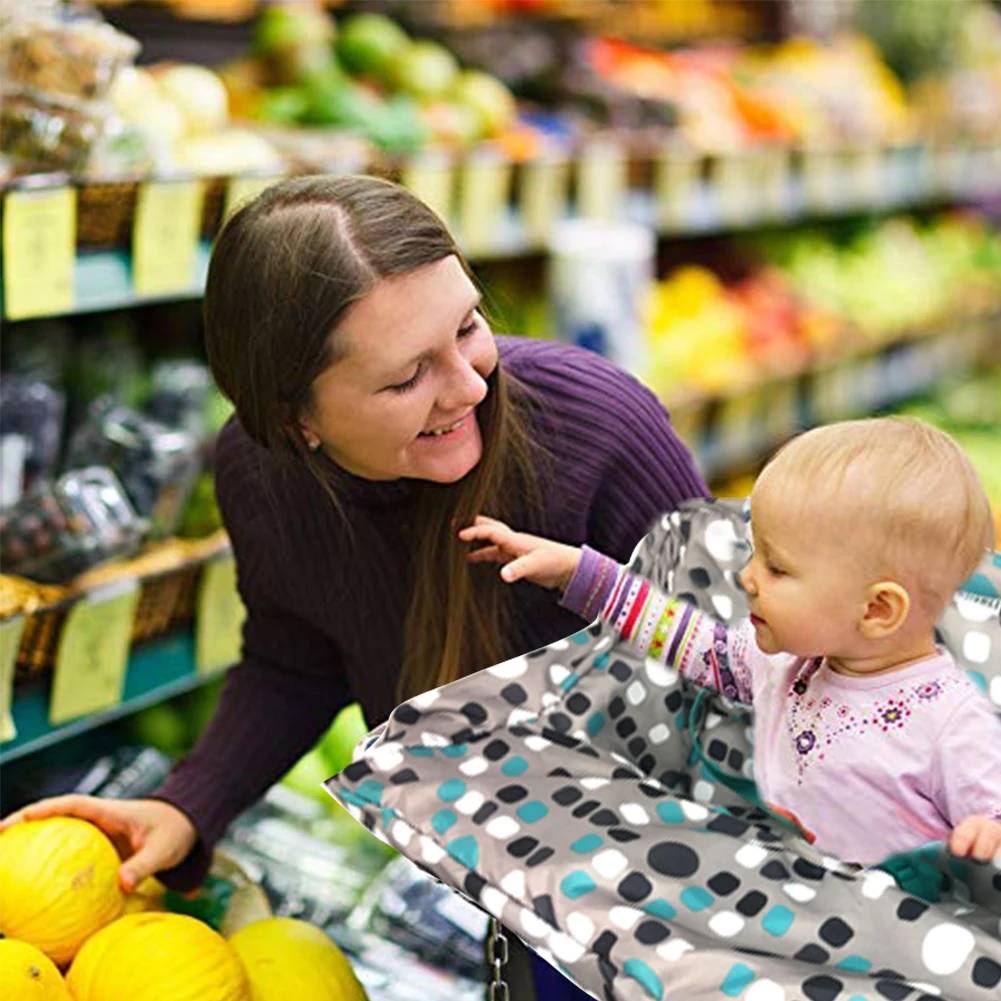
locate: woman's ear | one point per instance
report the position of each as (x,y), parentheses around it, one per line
(887,607)
(303,427)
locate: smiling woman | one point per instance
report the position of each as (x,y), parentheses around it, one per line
(376,416)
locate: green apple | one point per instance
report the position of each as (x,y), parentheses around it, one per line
(426,70)
(492,102)
(370,44)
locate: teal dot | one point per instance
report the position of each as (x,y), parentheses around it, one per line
(997,559)
(451,790)
(580,638)
(978,679)
(596,724)
(454,750)
(960,870)
(981,585)
(680,722)
(778,921)
(577,884)
(854,964)
(532,811)
(737,979)
(466,851)
(660,908)
(695,898)
(644,976)
(514,767)
(670,812)
(601,661)
(353,798)
(569,681)
(371,791)
(588,843)
(421,752)
(388,816)
(443,820)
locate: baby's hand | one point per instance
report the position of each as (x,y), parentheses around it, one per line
(546,563)
(977,836)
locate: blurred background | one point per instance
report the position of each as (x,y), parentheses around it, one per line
(776,213)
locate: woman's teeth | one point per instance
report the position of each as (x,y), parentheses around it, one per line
(438,432)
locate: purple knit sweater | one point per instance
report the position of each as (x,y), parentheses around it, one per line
(326,607)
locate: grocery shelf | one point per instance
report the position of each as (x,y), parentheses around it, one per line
(156,672)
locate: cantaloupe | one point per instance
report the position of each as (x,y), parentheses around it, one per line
(27,974)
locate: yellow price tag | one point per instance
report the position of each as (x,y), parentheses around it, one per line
(601,181)
(431,177)
(822,179)
(39,252)
(93,653)
(221,612)
(241,190)
(543,196)
(483,200)
(165,236)
(733,187)
(675,180)
(11,631)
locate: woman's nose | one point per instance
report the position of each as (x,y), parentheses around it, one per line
(463,388)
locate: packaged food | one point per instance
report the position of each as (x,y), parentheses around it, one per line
(180,394)
(55,532)
(156,465)
(34,411)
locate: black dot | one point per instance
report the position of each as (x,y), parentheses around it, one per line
(474,883)
(512,794)
(484,813)
(686,530)
(636,747)
(622,772)
(466,736)
(822,988)
(543,906)
(495,750)
(567,796)
(520,730)
(622,835)
(671,858)
(604,818)
(911,909)
(564,740)
(647,763)
(620,671)
(723,884)
(986,973)
(716,749)
(578,703)
(700,577)
(652,933)
(558,772)
(604,944)
(812,953)
(752,903)
(767,834)
(654,792)
(514,694)
(588,751)
(402,778)
(626,727)
(808,870)
(522,847)
(673,701)
(406,714)
(635,887)
(836,932)
(616,707)
(586,807)
(775,870)
(542,855)
(893,990)
(687,598)
(357,770)
(736,759)
(726,824)
(560,722)
(474,712)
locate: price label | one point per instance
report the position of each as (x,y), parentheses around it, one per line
(733,188)
(822,179)
(601,181)
(484,194)
(165,236)
(241,190)
(543,196)
(775,169)
(93,653)
(221,613)
(39,252)
(11,631)
(676,179)
(432,179)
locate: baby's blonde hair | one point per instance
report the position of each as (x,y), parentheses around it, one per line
(900,491)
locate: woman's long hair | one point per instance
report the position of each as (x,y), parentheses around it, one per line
(283,272)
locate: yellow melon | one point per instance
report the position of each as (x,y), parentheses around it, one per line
(286,958)
(27,974)
(147,896)
(153,957)
(58,884)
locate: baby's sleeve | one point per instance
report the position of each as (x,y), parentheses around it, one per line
(670,631)
(967,774)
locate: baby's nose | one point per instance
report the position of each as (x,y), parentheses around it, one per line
(745,580)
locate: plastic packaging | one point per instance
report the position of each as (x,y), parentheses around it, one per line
(34,411)
(180,394)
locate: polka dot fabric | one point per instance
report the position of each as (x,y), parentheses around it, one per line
(595,803)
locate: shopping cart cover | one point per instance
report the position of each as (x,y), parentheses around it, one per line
(603,810)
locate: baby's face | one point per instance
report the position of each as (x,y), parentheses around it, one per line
(806,593)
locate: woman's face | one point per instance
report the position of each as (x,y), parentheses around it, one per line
(402,399)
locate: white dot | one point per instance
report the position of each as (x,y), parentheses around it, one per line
(560,645)
(402,833)
(518,716)
(713,720)
(503,827)
(748,769)
(660,733)
(751,856)
(565,948)
(580,926)
(474,766)
(386,757)
(514,668)
(605,641)
(513,884)
(594,782)
(493,900)
(945,948)
(533,924)
(800,893)
(977,647)
(765,990)
(426,699)
(431,852)
(926,988)
(609,863)
(470,803)
(703,791)
(550,699)
(535,743)
(693,811)
(429,739)
(633,813)
(876,883)
(558,674)
(973,610)
(581,735)
(996,690)
(635,693)
(723,606)
(658,674)
(674,949)
(726,924)
(624,917)
(720,539)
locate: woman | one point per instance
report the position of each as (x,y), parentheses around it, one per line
(376,415)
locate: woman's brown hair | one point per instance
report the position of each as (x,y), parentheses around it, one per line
(285,269)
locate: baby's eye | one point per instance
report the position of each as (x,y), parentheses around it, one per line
(776,571)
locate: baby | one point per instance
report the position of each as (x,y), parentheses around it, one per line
(866,733)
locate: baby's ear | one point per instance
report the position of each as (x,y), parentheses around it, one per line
(887,607)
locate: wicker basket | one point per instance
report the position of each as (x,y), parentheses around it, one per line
(105,211)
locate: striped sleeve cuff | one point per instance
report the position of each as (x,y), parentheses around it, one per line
(591,584)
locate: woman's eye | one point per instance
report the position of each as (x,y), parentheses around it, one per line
(469,328)
(402,387)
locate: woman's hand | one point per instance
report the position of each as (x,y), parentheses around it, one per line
(149,835)
(546,563)
(979,837)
